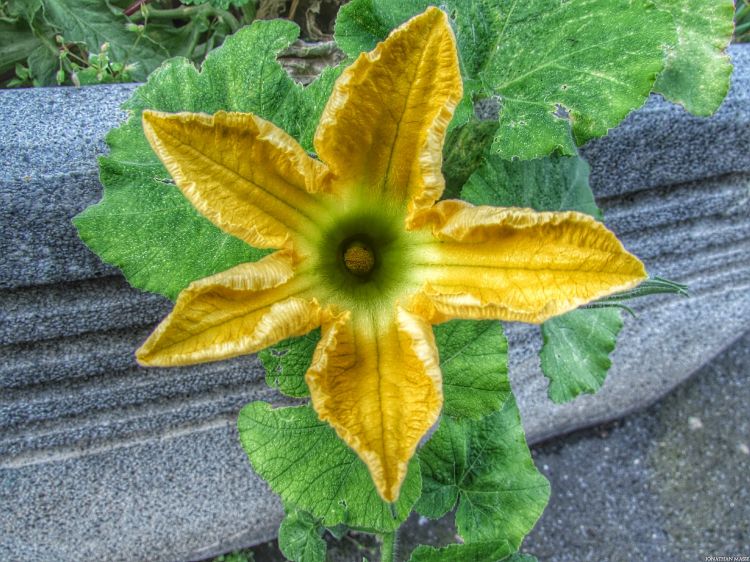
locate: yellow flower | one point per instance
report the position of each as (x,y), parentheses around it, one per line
(364,250)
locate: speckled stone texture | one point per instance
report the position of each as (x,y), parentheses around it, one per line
(102,460)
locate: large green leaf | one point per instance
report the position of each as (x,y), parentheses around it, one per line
(487,468)
(698,68)
(304,461)
(565,72)
(575,353)
(572,67)
(547,184)
(474,362)
(300,538)
(143,224)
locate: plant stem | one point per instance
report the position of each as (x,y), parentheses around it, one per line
(388,548)
(183,13)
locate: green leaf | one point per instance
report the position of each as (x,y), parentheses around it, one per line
(300,538)
(361,24)
(92,22)
(304,461)
(43,64)
(567,72)
(486,467)
(24,8)
(287,362)
(555,183)
(474,362)
(493,551)
(698,68)
(16,42)
(464,152)
(473,359)
(580,63)
(575,353)
(143,224)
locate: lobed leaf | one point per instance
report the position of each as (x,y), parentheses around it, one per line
(144,225)
(565,72)
(305,462)
(300,538)
(485,467)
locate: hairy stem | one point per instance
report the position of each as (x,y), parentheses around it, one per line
(388,548)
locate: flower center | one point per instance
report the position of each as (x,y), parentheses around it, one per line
(359,258)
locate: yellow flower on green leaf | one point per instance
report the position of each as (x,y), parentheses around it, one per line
(364,249)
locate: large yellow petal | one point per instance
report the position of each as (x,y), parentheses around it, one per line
(379,386)
(517,264)
(383,127)
(242,172)
(238,311)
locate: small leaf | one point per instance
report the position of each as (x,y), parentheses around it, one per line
(575,353)
(305,462)
(555,183)
(474,362)
(300,538)
(698,68)
(492,551)
(287,362)
(486,466)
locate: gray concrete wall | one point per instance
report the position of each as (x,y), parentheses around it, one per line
(102,460)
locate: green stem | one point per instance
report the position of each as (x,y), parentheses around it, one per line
(227,18)
(182,13)
(388,548)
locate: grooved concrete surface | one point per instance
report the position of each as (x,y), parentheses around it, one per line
(100,459)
